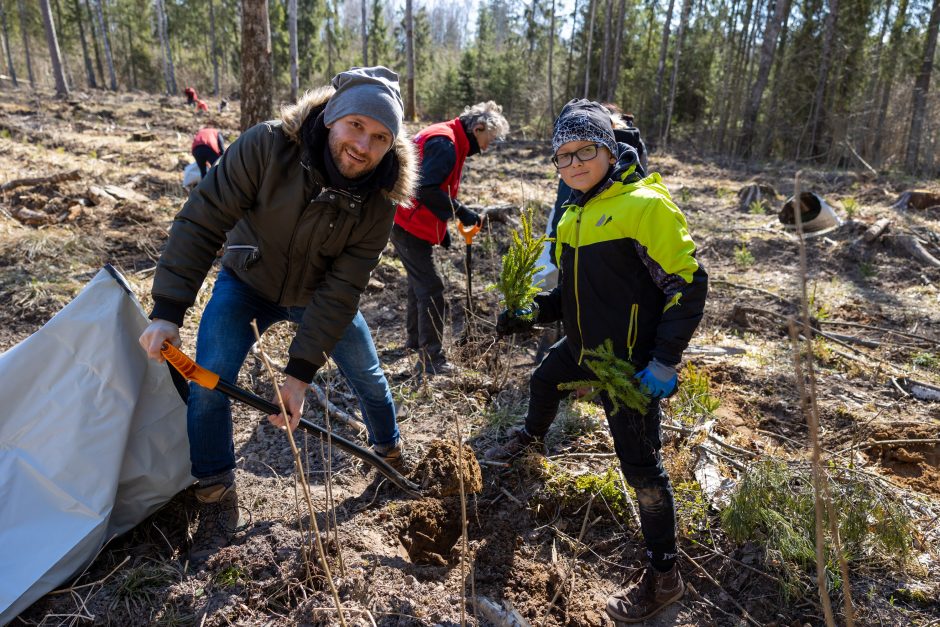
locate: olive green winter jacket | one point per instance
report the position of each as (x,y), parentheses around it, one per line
(286,234)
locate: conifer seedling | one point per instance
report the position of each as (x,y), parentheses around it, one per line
(614,376)
(519,266)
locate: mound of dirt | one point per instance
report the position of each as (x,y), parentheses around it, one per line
(438,472)
(914,463)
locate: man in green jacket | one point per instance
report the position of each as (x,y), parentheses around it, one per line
(302,208)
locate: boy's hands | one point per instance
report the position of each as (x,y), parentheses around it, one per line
(519,321)
(658,379)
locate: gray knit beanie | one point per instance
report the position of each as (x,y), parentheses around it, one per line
(584,120)
(369,91)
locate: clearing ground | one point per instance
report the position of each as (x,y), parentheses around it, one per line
(551,539)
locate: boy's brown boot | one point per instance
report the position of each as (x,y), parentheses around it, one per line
(648,592)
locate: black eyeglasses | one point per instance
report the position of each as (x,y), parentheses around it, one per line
(586,153)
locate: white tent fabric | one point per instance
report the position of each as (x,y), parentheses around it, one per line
(92,440)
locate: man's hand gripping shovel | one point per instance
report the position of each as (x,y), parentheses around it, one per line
(468,233)
(191,371)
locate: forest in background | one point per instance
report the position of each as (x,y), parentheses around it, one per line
(842,83)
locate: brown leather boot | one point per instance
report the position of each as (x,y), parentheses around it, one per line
(219,516)
(646,594)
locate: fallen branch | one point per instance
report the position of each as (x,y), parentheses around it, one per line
(334,411)
(39,180)
(876,230)
(748,287)
(744,613)
(876,443)
(913,336)
(917,250)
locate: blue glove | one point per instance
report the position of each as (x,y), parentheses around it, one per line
(658,379)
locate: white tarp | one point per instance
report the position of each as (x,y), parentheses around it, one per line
(92,440)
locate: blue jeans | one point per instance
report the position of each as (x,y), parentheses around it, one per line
(225,337)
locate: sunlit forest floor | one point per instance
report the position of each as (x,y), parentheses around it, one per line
(549,537)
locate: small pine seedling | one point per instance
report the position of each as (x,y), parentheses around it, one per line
(515,277)
(614,376)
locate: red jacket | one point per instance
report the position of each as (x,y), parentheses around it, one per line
(418,219)
(207,136)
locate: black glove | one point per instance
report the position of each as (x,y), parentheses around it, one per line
(519,321)
(468,217)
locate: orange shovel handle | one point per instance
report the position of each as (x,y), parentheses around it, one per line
(468,231)
(190,370)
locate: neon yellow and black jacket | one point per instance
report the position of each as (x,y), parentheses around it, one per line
(628,270)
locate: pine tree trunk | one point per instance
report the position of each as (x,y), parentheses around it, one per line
(677,54)
(89,68)
(6,44)
(921,87)
(60,35)
(410,97)
(603,78)
(215,48)
(94,40)
(661,73)
(818,119)
(364,33)
(768,46)
(257,79)
(169,74)
(131,65)
(618,50)
(292,33)
(106,42)
(587,52)
(887,69)
(551,76)
(730,52)
(574,23)
(61,87)
(24,32)
(770,131)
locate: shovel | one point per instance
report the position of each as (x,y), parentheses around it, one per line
(468,233)
(191,371)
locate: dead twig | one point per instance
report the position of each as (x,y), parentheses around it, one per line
(748,287)
(913,336)
(875,443)
(744,613)
(302,479)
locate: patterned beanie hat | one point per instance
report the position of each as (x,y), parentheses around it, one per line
(584,120)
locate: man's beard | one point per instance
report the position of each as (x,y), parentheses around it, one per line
(346,166)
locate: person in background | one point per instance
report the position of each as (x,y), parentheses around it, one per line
(628,274)
(208,146)
(301,208)
(191,96)
(422,223)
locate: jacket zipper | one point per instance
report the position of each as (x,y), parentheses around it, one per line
(577,303)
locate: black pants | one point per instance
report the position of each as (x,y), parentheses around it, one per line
(637,441)
(205,157)
(425,308)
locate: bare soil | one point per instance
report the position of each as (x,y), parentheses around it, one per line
(401,561)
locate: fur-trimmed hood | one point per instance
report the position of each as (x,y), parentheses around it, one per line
(292,119)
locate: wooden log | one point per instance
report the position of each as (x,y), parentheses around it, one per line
(876,230)
(39,180)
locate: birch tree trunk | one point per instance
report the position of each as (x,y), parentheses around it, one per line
(410,97)
(768,46)
(106,42)
(587,52)
(169,74)
(61,87)
(921,87)
(89,68)
(292,32)
(60,37)
(6,44)
(257,75)
(817,119)
(661,72)
(215,49)
(24,32)
(677,54)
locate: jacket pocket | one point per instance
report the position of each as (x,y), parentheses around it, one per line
(240,256)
